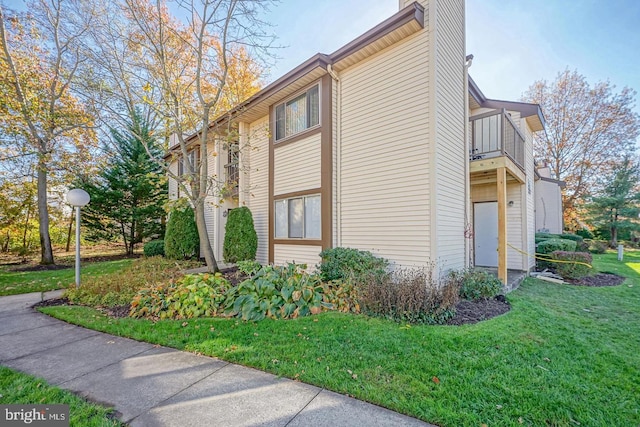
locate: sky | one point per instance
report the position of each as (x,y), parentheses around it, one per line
(514,43)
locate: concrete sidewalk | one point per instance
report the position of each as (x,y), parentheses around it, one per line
(149,385)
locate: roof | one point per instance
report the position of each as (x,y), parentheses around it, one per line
(531,112)
(404,23)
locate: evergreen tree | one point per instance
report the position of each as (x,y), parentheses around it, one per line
(127,198)
(616,206)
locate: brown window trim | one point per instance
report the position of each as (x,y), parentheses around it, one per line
(294,137)
(294,194)
(310,242)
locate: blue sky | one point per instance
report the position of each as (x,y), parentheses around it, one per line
(514,43)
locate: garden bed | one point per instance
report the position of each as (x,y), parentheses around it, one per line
(598,280)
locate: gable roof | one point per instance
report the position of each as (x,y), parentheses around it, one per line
(531,112)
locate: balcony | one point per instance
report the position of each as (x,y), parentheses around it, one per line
(495,142)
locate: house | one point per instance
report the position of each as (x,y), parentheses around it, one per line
(548,193)
(384,145)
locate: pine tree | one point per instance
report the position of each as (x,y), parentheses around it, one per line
(616,207)
(127,198)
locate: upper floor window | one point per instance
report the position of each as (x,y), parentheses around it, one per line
(193,159)
(298,114)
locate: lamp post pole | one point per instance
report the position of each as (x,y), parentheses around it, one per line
(78,198)
(77,247)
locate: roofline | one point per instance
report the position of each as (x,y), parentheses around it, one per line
(320,60)
(526,109)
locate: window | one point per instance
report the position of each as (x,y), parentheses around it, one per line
(194,160)
(233,173)
(298,114)
(298,218)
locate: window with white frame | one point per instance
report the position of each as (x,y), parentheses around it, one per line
(298,218)
(298,114)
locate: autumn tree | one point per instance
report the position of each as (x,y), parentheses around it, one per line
(588,128)
(39,59)
(187,72)
(617,205)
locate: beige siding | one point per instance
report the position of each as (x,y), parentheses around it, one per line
(173,185)
(384,176)
(548,207)
(297,166)
(449,126)
(529,227)
(211,204)
(257,188)
(299,254)
(515,226)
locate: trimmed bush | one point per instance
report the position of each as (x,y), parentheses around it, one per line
(570,270)
(409,295)
(181,240)
(548,246)
(477,284)
(573,237)
(154,248)
(240,238)
(350,264)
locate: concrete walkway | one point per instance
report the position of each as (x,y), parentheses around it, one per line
(149,385)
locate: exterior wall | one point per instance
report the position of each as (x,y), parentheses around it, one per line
(173,185)
(297,166)
(384,168)
(548,207)
(451,157)
(529,227)
(300,254)
(255,190)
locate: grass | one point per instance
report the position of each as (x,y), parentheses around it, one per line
(19,388)
(563,356)
(12,282)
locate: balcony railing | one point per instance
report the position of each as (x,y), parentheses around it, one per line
(233,176)
(494,134)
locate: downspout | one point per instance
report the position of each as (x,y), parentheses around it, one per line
(467,178)
(338,151)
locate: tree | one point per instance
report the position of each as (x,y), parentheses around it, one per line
(188,67)
(128,196)
(617,207)
(588,128)
(39,58)
(240,237)
(181,240)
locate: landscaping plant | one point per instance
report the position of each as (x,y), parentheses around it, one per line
(348,263)
(181,240)
(240,238)
(154,248)
(477,284)
(574,265)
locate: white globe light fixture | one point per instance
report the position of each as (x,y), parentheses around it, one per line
(78,198)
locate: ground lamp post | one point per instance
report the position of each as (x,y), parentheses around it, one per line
(78,198)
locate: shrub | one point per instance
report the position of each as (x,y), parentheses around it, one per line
(598,247)
(181,239)
(552,245)
(248,268)
(154,248)
(572,270)
(573,237)
(119,287)
(194,295)
(276,292)
(477,284)
(347,263)
(240,239)
(585,233)
(409,295)
(341,295)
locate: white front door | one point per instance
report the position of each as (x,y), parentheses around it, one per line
(485,230)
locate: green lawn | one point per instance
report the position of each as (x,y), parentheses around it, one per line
(563,356)
(12,282)
(16,387)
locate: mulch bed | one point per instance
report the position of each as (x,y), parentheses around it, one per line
(598,280)
(470,312)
